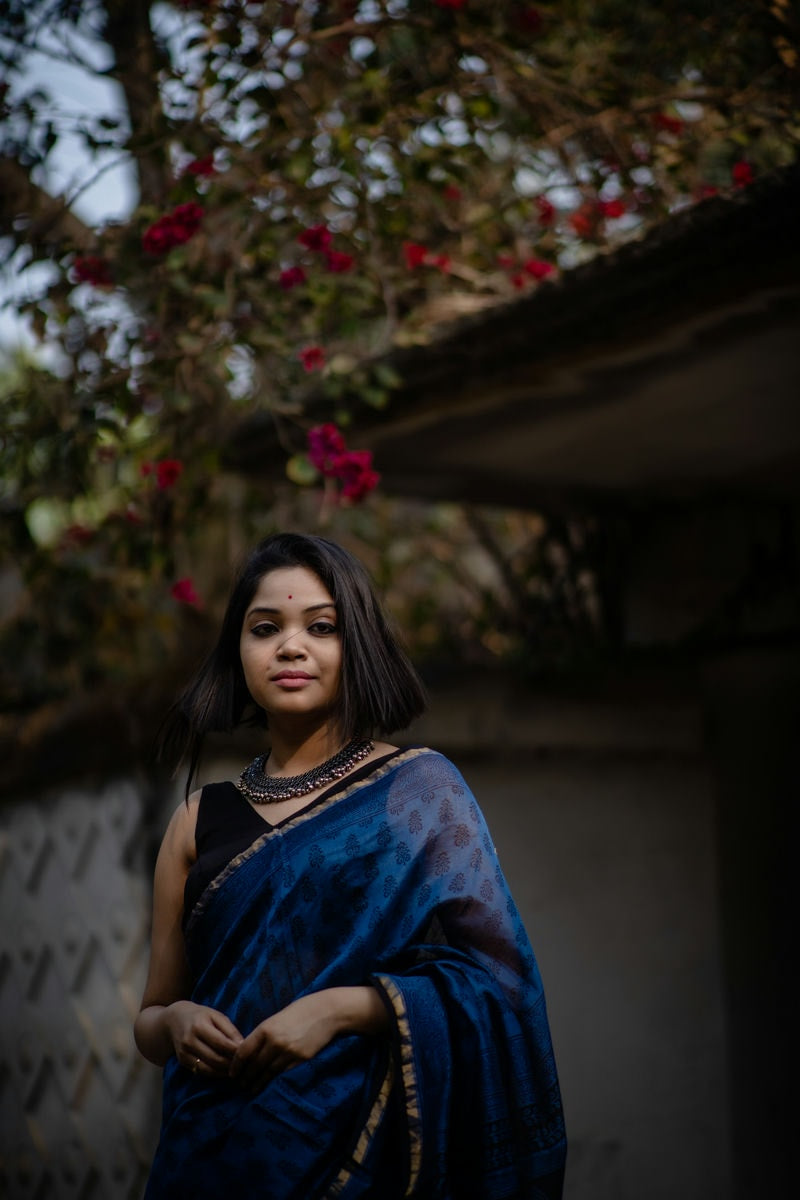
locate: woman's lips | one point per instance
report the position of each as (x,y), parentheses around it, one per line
(292,679)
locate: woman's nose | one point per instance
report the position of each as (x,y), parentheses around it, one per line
(292,645)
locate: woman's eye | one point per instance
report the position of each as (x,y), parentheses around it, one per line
(322,627)
(263,630)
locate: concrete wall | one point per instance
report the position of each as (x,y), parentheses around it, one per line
(79,1107)
(604,815)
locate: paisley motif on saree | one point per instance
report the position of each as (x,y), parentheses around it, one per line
(394,882)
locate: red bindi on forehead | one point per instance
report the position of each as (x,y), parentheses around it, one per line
(288,597)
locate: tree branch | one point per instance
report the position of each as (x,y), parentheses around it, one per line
(137,61)
(48,220)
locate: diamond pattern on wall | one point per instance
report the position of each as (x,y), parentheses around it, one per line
(79,1107)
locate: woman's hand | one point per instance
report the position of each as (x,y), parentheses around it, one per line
(287,1038)
(205,1040)
(302,1029)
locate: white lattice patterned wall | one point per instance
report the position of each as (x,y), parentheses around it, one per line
(78,1107)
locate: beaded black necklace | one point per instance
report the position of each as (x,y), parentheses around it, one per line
(268,789)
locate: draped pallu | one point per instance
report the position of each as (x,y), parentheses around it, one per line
(394,882)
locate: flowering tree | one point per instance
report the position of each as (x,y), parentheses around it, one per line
(315,183)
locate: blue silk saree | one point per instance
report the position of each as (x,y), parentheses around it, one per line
(395,882)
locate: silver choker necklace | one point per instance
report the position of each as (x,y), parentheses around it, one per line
(268,789)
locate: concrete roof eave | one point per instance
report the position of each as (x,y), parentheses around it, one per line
(666,369)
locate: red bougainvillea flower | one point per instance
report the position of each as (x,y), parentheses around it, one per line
(454,4)
(705,191)
(315,237)
(440,261)
(357,476)
(611,209)
(146,469)
(538,268)
(184,591)
(452,192)
(328,452)
(292,277)
(168,471)
(415,254)
(77,535)
(92,269)
(581,221)
(312,358)
(545,211)
(529,19)
(201,166)
(173,229)
(326,445)
(339,261)
(742,173)
(667,123)
(517,280)
(185,220)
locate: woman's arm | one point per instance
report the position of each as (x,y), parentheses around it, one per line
(169,1023)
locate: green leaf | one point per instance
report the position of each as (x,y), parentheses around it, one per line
(300,470)
(375,397)
(47,518)
(387,376)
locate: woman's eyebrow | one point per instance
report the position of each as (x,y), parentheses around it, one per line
(263,608)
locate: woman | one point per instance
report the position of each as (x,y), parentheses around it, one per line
(340,990)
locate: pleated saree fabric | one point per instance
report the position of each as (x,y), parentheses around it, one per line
(393,881)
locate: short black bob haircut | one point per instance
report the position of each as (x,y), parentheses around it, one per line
(380,690)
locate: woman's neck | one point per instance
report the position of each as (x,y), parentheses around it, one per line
(293,752)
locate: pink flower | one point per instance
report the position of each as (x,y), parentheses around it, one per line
(440,261)
(312,358)
(538,268)
(325,446)
(201,166)
(742,173)
(292,277)
(92,269)
(339,261)
(415,254)
(168,472)
(173,229)
(546,211)
(315,237)
(183,590)
(611,209)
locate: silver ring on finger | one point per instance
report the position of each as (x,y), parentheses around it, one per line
(195,1066)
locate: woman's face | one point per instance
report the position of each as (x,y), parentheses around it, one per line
(290,645)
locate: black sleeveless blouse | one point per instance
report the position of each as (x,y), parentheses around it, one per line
(227,824)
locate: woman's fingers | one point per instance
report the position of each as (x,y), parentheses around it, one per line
(206,1039)
(228,1032)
